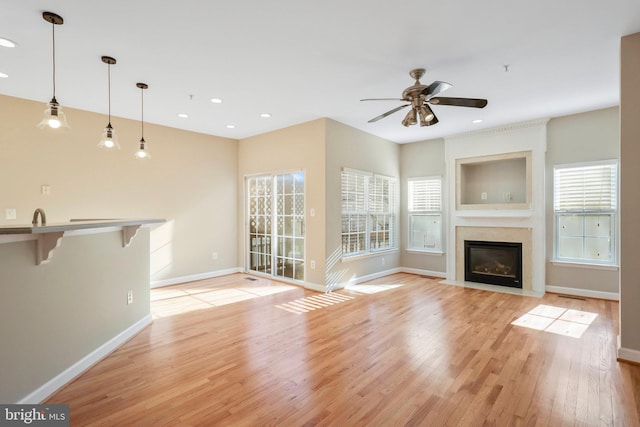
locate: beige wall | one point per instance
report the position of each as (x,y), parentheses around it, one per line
(629,195)
(352,148)
(421,159)
(190,180)
(52,315)
(581,137)
(300,147)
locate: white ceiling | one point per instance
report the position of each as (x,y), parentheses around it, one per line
(301,60)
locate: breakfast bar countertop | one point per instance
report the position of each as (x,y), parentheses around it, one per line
(74,224)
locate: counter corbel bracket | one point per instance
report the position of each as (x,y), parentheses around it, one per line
(47,242)
(128,233)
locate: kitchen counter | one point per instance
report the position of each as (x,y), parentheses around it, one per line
(49,235)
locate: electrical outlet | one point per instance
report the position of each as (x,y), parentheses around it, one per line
(10,213)
(214,256)
(129,297)
(313,263)
(483,195)
(46,190)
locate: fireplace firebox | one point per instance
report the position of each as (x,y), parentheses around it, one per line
(494,263)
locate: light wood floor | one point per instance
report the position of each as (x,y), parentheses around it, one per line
(402,350)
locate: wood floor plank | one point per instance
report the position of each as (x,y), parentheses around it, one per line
(399,350)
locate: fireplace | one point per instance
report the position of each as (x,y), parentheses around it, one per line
(494,263)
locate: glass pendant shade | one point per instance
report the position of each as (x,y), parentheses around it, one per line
(109,139)
(53,117)
(142,153)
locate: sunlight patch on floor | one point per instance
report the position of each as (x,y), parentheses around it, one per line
(305,305)
(372,288)
(167,302)
(557,320)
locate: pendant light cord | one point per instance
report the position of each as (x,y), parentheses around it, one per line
(53,60)
(142,112)
(109,86)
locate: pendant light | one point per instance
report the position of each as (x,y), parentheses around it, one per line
(142,153)
(53,115)
(109,139)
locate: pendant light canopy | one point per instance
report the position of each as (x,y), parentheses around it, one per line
(53,115)
(109,140)
(142,153)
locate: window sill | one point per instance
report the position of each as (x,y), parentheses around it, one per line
(424,252)
(368,255)
(585,265)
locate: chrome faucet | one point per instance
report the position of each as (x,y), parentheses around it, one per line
(43,217)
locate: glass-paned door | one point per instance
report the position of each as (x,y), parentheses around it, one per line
(260,219)
(276,214)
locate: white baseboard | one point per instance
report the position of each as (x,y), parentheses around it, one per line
(361,279)
(627,354)
(423,272)
(583,293)
(192,277)
(85,363)
(316,287)
(358,280)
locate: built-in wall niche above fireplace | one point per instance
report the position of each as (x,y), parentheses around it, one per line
(494,182)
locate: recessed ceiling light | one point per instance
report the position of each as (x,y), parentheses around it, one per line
(183,115)
(477,121)
(231,126)
(265,115)
(3,76)
(7,43)
(216,100)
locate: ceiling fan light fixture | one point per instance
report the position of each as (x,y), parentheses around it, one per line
(410,118)
(426,116)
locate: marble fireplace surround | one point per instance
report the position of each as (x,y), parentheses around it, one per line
(524,223)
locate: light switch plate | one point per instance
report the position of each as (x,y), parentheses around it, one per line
(46,190)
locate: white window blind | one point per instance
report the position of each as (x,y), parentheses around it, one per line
(585,204)
(585,188)
(425,214)
(425,195)
(353,191)
(368,217)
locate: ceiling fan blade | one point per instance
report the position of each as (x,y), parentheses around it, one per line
(435,88)
(388,113)
(382,99)
(459,102)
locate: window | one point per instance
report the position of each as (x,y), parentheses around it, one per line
(368,217)
(425,214)
(585,205)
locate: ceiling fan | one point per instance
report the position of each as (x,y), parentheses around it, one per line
(419,97)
